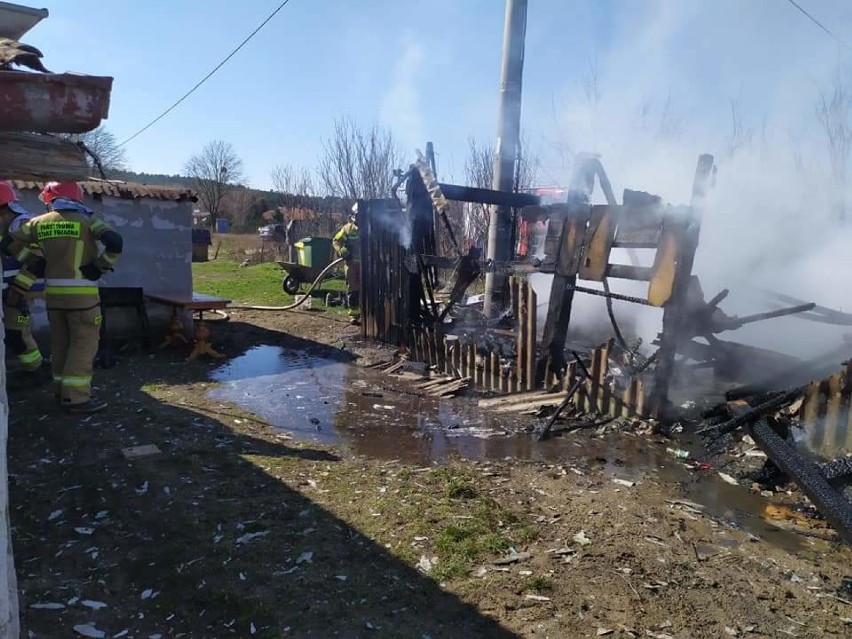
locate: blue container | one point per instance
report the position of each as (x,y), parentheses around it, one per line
(222,225)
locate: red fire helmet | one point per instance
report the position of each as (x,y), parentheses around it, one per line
(53,190)
(7,194)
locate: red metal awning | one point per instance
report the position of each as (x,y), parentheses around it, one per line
(53,102)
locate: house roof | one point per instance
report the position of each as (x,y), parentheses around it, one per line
(121,190)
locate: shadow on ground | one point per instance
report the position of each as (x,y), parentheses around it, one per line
(197,541)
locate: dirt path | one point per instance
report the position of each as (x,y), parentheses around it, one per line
(236,530)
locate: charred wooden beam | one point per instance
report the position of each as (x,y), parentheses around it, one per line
(571,239)
(829,501)
(488,196)
(837,468)
(737,322)
(751,415)
(675,318)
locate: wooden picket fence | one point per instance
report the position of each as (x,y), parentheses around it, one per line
(826,414)
(459,359)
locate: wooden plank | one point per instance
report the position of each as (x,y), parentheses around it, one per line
(517,398)
(665,262)
(495,371)
(520,337)
(598,244)
(465,360)
(527,406)
(453,387)
(810,407)
(595,382)
(561,292)
(832,413)
(640,398)
(479,375)
(530,337)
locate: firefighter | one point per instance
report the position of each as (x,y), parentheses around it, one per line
(67,236)
(348,247)
(16,314)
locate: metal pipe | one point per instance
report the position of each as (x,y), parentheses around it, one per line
(508,140)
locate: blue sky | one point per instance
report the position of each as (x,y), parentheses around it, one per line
(431,71)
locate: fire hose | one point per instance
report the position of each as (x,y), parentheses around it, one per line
(290,307)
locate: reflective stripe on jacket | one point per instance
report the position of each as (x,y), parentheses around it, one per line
(67,240)
(346,241)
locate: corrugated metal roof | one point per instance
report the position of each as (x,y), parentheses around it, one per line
(119,189)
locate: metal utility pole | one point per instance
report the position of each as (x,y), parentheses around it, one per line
(508,141)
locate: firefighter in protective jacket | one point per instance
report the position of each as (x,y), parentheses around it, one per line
(348,246)
(67,236)
(16,314)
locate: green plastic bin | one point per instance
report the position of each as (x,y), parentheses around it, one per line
(314,252)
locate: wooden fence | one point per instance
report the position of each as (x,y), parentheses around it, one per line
(826,414)
(459,358)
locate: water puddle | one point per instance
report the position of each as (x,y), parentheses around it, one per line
(330,402)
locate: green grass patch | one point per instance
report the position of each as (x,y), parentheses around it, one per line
(539,584)
(259,284)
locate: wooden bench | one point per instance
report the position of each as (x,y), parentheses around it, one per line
(197,304)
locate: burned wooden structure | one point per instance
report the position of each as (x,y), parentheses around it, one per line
(511,353)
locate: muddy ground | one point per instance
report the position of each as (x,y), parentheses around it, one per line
(238,528)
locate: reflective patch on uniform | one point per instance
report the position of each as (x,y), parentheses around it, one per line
(54,230)
(98,320)
(30,358)
(23,319)
(71,290)
(76,382)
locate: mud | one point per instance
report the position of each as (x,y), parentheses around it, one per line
(239,528)
(321,400)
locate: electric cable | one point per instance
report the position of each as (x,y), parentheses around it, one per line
(206,77)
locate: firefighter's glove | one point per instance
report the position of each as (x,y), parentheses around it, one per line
(91,272)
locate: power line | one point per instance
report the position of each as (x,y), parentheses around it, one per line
(206,77)
(820,25)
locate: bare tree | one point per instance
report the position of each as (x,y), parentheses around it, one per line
(358,163)
(317,215)
(741,136)
(104,145)
(292,183)
(214,172)
(590,83)
(833,113)
(669,126)
(479,171)
(237,204)
(661,123)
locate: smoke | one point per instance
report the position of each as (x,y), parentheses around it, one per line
(395,220)
(400,106)
(689,78)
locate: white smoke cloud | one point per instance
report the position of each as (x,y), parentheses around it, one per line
(666,91)
(400,106)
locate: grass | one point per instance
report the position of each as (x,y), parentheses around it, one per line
(461,524)
(258,284)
